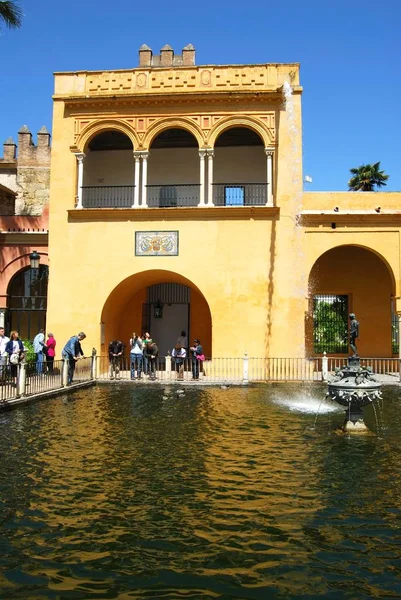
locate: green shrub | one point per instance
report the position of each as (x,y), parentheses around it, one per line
(30,356)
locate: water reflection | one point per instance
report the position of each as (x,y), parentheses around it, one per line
(126,492)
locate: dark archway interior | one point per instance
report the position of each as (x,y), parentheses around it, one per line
(175,138)
(110,140)
(238,136)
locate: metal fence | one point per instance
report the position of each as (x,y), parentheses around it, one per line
(237,370)
(29,379)
(107,196)
(240,194)
(169,196)
(330,324)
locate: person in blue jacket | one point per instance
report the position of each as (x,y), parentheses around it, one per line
(72,352)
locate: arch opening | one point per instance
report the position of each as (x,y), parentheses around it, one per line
(27,301)
(135,305)
(108,176)
(174,176)
(351,279)
(240,173)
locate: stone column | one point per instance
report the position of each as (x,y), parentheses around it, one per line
(399,342)
(145,156)
(137,158)
(2,316)
(202,154)
(80,156)
(210,156)
(269,155)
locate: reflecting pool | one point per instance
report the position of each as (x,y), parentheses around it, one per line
(131,491)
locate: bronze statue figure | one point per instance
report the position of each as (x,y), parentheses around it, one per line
(353,333)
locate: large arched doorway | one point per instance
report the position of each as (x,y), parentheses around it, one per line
(351,279)
(161,302)
(27,301)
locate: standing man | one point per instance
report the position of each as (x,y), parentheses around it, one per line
(115,353)
(72,352)
(353,333)
(3,354)
(38,344)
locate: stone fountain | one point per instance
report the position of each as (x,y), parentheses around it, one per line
(354,386)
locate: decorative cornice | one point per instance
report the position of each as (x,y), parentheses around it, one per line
(174,214)
(350,217)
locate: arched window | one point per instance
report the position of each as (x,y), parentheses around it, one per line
(27,301)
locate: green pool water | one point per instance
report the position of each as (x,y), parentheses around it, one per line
(135,492)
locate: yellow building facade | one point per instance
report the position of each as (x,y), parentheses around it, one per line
(177,202)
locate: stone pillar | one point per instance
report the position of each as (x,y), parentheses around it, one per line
(168,366)
(2,316)
(64,374)
(202,154)
(210,156)
(399,342)
(80,156)
(269,155)
(21,379)
(9,150)
(245,369)
(137,158)
(145,156)
(145,56)
(325,367)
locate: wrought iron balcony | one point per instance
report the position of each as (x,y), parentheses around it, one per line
(240,194)
(168,196)
(107,196)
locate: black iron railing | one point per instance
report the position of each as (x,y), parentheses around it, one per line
(240,194)
(169,196)
(330,324)
(107,196)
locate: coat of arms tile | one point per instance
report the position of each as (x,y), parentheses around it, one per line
(156,243)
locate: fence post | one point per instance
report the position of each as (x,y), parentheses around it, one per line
(64,377)
(245,369)
(21,380)
(325,367)
(93,364)
(168,366)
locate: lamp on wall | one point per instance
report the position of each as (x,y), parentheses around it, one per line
(34,257)
(158,310)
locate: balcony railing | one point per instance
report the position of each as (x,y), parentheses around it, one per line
(107,196)
(168,196)
(240,194)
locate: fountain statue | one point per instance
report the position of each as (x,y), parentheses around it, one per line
(353,385)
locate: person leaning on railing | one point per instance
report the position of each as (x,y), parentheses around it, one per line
(16,353)
(151,353)
(72,352)
(197,358)
(179,354)
(115,353)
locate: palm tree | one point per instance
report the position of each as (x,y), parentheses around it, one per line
(10,14)
(367,178)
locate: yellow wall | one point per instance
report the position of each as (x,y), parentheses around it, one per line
(248,267)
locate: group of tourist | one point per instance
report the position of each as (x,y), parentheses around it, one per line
(13,352)
(144,353)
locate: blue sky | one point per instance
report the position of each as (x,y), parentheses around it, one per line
(349,53)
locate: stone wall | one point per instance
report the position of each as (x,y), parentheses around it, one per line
(25,169)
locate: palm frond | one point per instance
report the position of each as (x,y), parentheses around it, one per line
(10,14)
